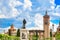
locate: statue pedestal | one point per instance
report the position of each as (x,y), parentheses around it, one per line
(24,34)
(53,38)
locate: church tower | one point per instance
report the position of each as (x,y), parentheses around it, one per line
(46,24)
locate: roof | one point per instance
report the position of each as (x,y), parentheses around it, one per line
(36,30)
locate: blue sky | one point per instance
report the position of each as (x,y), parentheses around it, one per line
(14,11)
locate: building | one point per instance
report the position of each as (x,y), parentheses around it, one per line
(39,33)
(42,33)
(58,29)
(46,24)
(12,30)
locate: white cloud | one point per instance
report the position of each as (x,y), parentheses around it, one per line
(55,26)
(2,16)
(58,7)
(52,1)
(11,14)
(13,3)
(0,11)
(52,7)
(56,14)
(39,21)
(27,4)
(14,11)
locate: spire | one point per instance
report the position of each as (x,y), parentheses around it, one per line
(46,15)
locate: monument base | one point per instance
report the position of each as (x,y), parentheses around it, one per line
(24,34)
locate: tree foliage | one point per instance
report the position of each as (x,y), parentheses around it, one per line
(18,33)
(7,37)
(57,36)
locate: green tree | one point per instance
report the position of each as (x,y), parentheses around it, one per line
(7,37)
(35,37)
(18,33)
(50,34)
(57,36)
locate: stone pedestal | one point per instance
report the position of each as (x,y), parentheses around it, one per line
(53,38)
(24,34)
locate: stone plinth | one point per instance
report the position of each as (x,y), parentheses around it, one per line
(24,34)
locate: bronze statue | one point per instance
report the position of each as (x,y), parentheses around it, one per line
(24,23)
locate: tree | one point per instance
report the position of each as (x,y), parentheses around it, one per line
(57,36)
(7,37)
(9,33)
(35,37)
(18,33)
(50,34)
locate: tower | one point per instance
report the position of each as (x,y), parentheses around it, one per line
(46,25)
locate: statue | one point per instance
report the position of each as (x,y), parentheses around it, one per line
(24,23)
(24,32)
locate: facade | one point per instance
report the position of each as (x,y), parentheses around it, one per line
(12,30)
(39,33)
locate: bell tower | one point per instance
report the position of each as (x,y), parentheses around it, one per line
(46,25)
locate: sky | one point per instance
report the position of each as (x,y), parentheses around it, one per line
(14,11)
